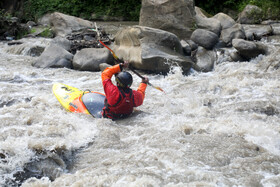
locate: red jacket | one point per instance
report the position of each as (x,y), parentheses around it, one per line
(119,102)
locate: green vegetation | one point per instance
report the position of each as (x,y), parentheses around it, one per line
(47,33)
(4,15)
(128,9)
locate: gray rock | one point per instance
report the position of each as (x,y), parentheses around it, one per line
(256,32)
(205,59)
(62,42)
(150,49)
(225,20)
(64,24)
(276,28)
(236,31)
(186,48)
(192,44)
(175,16)
(103,66)
(200,12)
(210,24)
(236,57)
(205,38)
(249,49)
(54,57)
(89,59)
(250,15)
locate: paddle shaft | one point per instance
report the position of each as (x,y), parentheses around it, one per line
(115,56)
(120,61)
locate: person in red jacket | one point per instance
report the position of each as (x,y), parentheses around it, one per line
(121,99)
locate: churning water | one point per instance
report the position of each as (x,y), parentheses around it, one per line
(210,129)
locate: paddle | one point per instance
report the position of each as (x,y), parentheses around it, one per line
(120,61)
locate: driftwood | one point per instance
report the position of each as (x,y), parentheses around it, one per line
(87,38)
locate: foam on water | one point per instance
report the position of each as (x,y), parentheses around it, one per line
(210,129)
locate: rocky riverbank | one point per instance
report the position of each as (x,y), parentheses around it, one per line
(149,48)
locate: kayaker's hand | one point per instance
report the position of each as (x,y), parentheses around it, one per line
(125,64)
(145,80)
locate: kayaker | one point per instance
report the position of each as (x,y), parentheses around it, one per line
(121,99)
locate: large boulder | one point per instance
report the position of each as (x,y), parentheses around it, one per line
(200,12)
(250,15)
(62,42)
(205,38)
(236,31)
(89,59)
(256,32)
(176,16)
(63,24)
(210,24)
(275,28)
(54,56)
(225,20)
(249,49)
(150,49)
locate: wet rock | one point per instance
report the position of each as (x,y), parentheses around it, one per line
(49,164)
(276,28)
(89,59)
(205,59)
(205,38)
(62,42)
(187,131)
(2,156)
(15,43)
(236,31)
(269,110)
(256,32)
(55,57)
(236,57)
(192,44)
(186,47)
(103,66)
(248,49)
(35,51)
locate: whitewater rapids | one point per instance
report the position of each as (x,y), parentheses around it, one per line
(210,129)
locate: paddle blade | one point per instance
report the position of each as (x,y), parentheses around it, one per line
(156,87)
(160,89)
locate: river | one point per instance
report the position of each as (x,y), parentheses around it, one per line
(220,128)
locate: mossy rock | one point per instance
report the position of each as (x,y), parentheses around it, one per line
(40,31)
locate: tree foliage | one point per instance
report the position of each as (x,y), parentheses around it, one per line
(129,9)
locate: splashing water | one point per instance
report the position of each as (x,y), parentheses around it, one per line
(210,129)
